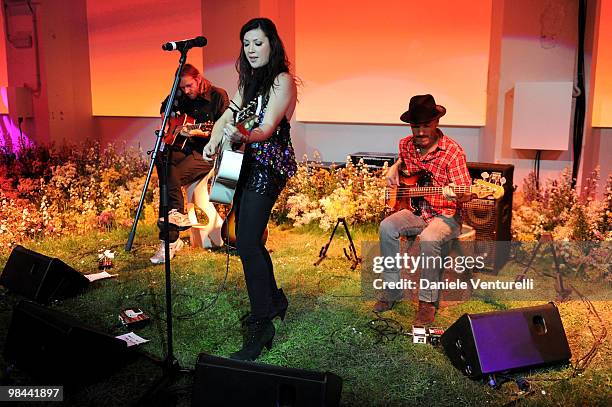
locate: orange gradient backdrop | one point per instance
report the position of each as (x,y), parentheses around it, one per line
(602,102)
(360,61)
(130,74)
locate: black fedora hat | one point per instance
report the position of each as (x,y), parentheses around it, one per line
(422,109)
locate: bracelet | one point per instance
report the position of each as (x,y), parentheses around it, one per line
(251,134)
(244,133)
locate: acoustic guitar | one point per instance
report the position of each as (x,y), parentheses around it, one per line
(227,171)
(228,230)
(229,157)
(178,128)
(416,186)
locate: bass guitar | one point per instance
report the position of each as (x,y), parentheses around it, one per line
(417,186)
(178,128)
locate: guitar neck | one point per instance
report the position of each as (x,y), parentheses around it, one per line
(424,191)
(196,126)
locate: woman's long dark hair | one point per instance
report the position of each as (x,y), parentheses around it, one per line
(252,81)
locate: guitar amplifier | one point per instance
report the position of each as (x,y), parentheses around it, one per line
(326,165)
(491,218)
(374,161)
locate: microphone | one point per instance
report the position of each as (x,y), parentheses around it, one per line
(184,44)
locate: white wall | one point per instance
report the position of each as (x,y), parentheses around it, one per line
(62,104)
(335,141)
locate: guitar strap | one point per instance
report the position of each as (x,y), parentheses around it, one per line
(234,109)
(259,104)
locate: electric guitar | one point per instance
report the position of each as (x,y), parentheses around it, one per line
(178,128)
(413,187)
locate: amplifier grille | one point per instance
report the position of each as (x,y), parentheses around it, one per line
(491,218)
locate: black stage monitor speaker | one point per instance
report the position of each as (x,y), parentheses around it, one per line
(481,344)
(226,382)
(491,218)
(374,161)
(39,277)
(57,350)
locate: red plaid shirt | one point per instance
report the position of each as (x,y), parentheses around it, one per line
(446,164)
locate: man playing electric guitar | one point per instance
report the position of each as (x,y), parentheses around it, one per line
(436,219)
(200,102)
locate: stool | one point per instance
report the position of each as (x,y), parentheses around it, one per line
(462,245)
(203,235)
(457,246)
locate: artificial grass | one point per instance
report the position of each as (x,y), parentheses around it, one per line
(327,326)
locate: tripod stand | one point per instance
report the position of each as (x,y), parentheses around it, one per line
(169,364)
(355,260)
(562,292)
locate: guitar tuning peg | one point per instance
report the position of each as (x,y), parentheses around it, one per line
(484,175)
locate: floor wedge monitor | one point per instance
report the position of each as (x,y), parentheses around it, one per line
(492,342)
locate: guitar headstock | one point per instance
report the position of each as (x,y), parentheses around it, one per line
(495,178)
(483,189)
(246,117)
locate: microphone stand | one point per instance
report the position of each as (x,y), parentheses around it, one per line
(170,365)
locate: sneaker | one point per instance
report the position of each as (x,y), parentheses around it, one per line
(177,219)
(160,255)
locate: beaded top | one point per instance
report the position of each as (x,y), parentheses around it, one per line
(277,151)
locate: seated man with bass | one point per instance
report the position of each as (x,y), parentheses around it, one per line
(435,219)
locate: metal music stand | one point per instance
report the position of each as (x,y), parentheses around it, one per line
(353,258)
(562,292)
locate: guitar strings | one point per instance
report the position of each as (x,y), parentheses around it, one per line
(408,192)
(424,188)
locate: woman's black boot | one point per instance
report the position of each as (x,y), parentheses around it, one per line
(279,305)
(260,333)
(278,308)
